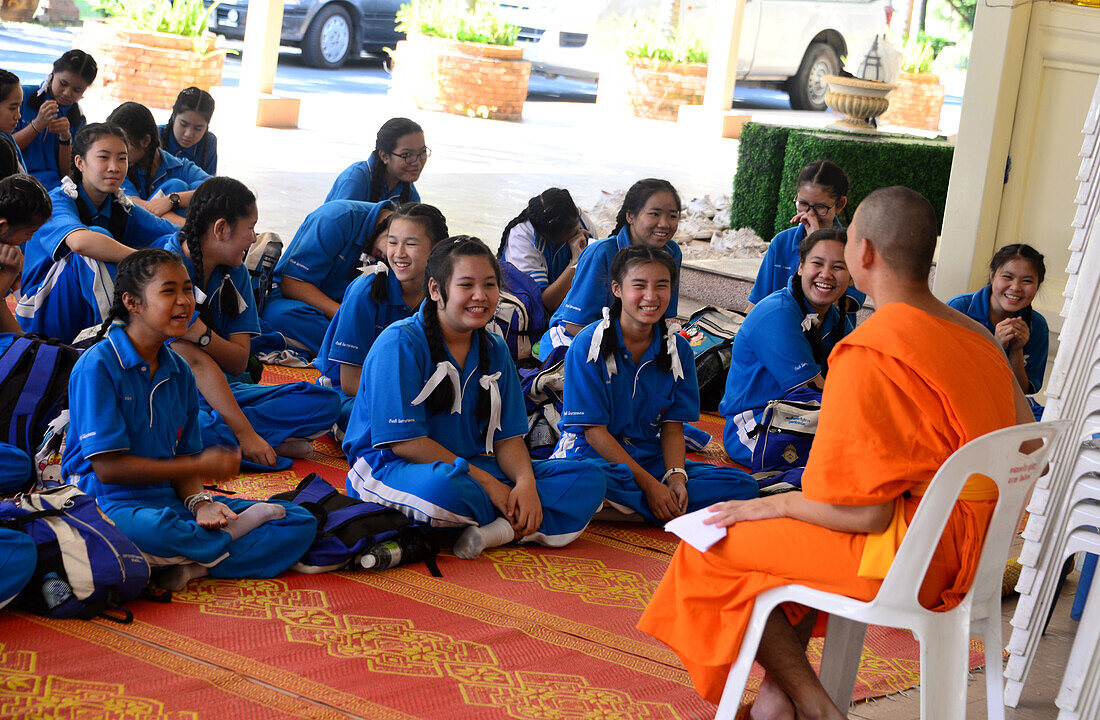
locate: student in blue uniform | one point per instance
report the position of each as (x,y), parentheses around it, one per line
(821,195)
(187,134)
(134,442)
(157,180)
(629,388)
(385,293)
(266,421)
(389,173)
(313,274)
(51,117)
(1016,273)
(649,216)
(18,558)
(437,427)
(786,339)
(68,271)
(545,241)
(11,103)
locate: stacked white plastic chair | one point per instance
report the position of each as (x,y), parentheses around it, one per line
(1073,394)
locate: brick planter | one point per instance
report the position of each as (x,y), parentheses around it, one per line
(656,89)
(462,78)
(916,103)
(18,10)
(147,67)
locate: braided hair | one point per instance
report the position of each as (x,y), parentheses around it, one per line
(80,64)
(386,142)
(138,122)
(638,195)
(440,268)
(551,213)
(1020,251)
(217,198)
(813,335)
(86,138)
(23,201)
(433,223)
(621,264)
(191,99)
(133,273)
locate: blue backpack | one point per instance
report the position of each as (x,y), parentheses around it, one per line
(785,434)
(86,566)
(347,527)
(520,317)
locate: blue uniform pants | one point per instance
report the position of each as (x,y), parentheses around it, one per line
(276,413)
(16,469)
(296,320)
(160,525)
(445,495)
(68,300)
(18,557)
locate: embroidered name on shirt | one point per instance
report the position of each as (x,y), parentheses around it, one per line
(85,436)
(400,421)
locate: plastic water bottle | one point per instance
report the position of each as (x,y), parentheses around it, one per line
(392,553)
(55,591)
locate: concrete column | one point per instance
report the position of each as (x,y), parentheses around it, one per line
(262,32)
(722,57)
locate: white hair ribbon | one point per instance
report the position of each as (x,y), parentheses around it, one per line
(227,282)
(69,188)
(597,341)
(124,201)
(674,352)
(375,268)
(443,370)
(811,321)
(490,383)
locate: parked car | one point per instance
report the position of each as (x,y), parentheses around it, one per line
(327,31)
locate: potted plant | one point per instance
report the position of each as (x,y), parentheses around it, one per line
(18,10)
(149,50)
(459,60)
(660,70)
(919,97)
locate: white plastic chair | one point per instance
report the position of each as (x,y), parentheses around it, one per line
(944,636)
(1078,695)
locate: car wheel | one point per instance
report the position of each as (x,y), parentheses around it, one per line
(807,89)
(327,43)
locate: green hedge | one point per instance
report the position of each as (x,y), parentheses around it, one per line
(763,197)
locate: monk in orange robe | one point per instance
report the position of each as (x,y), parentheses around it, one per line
(907,388)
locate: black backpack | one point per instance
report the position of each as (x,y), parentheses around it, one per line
(710,332)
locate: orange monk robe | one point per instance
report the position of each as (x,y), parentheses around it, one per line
(904,391)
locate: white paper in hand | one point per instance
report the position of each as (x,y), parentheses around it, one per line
(691,529)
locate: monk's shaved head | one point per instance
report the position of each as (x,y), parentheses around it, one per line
(902,226)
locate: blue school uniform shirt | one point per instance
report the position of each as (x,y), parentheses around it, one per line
(358,323)
(327,247)
(171,168)
(633,402)
(355,184)
(975,306)
(40,156)
(223,279)
(396,369)
(543,260)
(780,263)
(771,356)
(204,153)
(115,405)
(591,289)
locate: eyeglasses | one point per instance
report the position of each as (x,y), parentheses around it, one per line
(408,157)
(820,209)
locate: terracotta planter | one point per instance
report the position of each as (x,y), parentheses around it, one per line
(917,102)
(655,89)
(858,100)
(18,10)
(148,67)
(462,78)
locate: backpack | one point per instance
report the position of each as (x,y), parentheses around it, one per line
(86,566)
(347,527)
(544,392)
(260,261)
(710,333)
(786,432)
(34,388)
(520,316)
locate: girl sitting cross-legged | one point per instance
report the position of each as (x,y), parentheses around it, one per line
(438,424)
(134,442)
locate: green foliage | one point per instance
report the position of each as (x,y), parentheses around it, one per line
(181,17)
(440,18)
(919,52)
(644,39)
(964,11)
(763,191)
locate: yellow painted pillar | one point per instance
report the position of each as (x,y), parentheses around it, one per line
(262,32)
(714,116)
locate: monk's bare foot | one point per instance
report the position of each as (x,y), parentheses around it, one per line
(175,577)
(771,703)
(295,448)
(253,517)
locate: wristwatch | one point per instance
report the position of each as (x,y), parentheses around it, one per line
(204,339)
(175,198)
(64,141)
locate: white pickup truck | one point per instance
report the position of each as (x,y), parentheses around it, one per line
(787,44)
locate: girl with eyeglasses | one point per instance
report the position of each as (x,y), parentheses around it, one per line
(389,173)
(821,194)
(187,134)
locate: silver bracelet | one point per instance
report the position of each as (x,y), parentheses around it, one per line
(33,126)
(672,471)
(192,501)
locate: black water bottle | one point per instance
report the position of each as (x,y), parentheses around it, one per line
(272,252)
